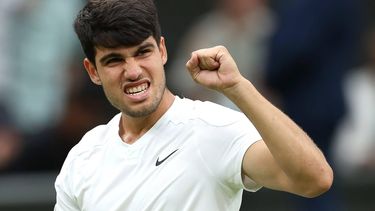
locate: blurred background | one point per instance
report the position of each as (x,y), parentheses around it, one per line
(315,59)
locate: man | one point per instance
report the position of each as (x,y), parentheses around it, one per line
(166,153)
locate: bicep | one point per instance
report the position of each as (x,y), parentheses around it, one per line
(261,167)
(64,202)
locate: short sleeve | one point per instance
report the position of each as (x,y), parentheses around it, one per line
(64,197)
(223,148)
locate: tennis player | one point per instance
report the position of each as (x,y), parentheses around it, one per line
(167,153)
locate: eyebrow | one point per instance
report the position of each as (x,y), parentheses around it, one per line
(143,46)
(108,56)
(117,55)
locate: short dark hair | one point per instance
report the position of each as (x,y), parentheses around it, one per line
(116,23)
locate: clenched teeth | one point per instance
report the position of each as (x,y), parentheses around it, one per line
(137,89)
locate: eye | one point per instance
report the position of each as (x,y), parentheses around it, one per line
(144,52)
(113,61)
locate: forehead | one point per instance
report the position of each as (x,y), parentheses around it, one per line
(102,51)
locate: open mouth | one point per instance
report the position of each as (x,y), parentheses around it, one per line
(136,90)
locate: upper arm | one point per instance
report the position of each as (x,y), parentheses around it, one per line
(64,201)
(260,166)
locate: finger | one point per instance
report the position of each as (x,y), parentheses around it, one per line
(192,66)
(207,63)
(193,62)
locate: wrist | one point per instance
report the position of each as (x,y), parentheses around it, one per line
(239,88)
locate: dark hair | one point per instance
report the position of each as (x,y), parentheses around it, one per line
(116,23)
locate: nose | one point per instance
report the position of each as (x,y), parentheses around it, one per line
(132,69)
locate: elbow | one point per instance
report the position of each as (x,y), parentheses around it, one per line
(321,183)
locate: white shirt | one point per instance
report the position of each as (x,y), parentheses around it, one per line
(191,159)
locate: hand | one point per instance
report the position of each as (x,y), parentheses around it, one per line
(214,68)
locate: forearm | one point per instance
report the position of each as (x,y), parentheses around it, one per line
(292,149)
(286,159)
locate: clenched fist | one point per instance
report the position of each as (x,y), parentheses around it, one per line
(214,68)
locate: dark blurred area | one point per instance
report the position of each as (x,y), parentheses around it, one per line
(314,59)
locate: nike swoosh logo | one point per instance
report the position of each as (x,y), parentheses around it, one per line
(161,161)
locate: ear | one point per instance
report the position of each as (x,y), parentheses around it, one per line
(163,50)
(91,70)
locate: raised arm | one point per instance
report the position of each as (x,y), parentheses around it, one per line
(286,159)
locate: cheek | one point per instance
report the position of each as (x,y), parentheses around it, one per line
(154,69)
(111,83)
(111,75)
(159,75)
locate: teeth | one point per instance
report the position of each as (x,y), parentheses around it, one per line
(137,89)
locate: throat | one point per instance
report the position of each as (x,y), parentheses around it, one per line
(131,135)
(129,140)
(132,129)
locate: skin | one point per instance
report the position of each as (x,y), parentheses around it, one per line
(124,70)
(286,159)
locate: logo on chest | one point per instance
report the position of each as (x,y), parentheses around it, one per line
(158,162)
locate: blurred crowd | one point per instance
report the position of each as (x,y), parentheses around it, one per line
(46,99)
(315,59)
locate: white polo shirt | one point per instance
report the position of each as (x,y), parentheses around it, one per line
(189,160)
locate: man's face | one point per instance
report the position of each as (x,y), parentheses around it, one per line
(133,78)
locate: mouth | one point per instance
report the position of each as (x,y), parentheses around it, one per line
(137,90)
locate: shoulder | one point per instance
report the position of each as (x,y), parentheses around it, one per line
(92,142)
(82,159)
(210,113)
(215,122)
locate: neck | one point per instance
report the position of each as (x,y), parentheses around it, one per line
(132,128)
